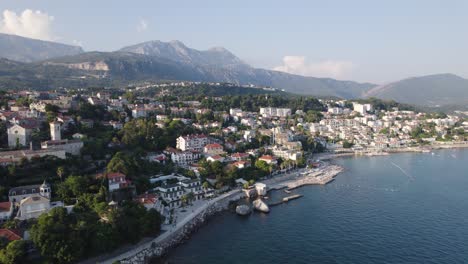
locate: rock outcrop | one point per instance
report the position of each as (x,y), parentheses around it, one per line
(261,206)
(154,250)
(243,209)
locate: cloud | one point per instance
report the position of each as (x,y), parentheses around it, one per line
(30,23)
(142,25)
(327,68)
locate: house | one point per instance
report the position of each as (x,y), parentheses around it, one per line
(268,159)
(16,194)
(194,142)
(33,207)
(215,158)
(9,235)
(239,156)
(242,164)
(192,186)
(35,203)
(150,201)
(171,194)
(213,149)
(139,112)
(6,210)
(117,181)
(272,111)
(182,157)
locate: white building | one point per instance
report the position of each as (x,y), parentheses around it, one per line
(139,112)
(72,147)
(273,111)
(362,108)
(55,132)
(19,134)
(235,112)
(16,194)
(192,142)
(6,210)
(261,188)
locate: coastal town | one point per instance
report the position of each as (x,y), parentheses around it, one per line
(137,165)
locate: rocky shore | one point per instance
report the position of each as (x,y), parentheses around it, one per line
(159,246)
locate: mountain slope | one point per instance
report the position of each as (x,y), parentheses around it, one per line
(438,89)
(220,65)
(178,52)
(28,50)
(161,61)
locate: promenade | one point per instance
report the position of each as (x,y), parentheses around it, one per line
(182,218)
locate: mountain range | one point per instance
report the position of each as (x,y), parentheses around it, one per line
(43,65)
(28,50)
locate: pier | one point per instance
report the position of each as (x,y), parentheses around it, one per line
(286,199)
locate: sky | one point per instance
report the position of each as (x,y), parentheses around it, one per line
(360,40)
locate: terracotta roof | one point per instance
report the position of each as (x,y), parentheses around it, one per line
(267,157)
(115,175)
(109,175)
(9,234)
(5,207)
(147,198)
(239,155)
(214,145)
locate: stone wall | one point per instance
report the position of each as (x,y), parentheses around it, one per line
(153,249)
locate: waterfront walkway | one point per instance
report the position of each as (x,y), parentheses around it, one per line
(183,218)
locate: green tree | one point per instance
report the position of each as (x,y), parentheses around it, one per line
(60,172)
(56,238)
(15,252)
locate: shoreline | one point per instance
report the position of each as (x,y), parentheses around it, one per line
(160,246)
(418,149)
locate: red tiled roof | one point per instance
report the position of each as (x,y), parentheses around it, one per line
(109,175)
(9,234)
(5,206)
(267,157)
(147,198)
(239,155)
(114,175)
(214,145)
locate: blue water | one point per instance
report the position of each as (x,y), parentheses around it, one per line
(402,208)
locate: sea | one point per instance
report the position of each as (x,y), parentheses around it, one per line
(400,208)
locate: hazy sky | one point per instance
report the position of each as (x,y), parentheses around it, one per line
(363,40)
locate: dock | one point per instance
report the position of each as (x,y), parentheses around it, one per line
(317,178)
(286,199)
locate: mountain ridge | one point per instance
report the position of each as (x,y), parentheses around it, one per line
(428,90)
(24,49)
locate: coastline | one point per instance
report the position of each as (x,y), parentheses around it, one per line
(171,238)
(418,149)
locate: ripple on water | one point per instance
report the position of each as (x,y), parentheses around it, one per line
(372,213)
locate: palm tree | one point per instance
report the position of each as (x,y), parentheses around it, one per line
(60,172)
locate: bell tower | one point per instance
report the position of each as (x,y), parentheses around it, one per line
(55,133)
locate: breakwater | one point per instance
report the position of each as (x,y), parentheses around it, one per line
(173,237)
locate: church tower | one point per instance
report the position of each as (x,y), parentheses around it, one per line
(45,190)
(55,133)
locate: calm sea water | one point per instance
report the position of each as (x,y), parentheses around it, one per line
(404,208)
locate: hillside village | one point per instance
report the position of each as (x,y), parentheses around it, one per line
(111,155)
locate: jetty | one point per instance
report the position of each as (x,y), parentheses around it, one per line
(320,177)
(286,199)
